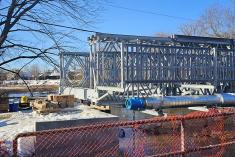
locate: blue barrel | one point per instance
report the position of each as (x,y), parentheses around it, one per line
(13,106)
(135,103)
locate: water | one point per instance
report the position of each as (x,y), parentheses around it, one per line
(15,96)
(35,94)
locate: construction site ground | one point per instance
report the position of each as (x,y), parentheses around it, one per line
(14,123)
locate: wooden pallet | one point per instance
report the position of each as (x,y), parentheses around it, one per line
(62,100)
(43,106)
(5,116)
(101,108)
(4,104)
(4,107)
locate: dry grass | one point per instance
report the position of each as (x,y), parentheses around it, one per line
(35,88)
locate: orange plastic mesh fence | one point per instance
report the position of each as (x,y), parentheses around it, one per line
(5,151)
(200,134)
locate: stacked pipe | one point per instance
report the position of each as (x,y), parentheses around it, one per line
(225,99)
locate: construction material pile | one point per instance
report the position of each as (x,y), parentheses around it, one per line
(53,103)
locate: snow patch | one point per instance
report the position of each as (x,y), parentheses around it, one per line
(24,121)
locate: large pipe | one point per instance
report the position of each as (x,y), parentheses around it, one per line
(180,101)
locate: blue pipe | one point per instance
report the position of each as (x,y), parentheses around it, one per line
(224,99)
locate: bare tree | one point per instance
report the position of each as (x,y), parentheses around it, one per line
(216,21)
(31,29)
(162,34)
(34,71)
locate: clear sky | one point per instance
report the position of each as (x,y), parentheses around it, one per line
(124,21)
(146,17)
(142,17)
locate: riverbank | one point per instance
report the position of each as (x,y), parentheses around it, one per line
(33,88)
(18,86)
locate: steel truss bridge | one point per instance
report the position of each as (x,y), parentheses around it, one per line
(120,66)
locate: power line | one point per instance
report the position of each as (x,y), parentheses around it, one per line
(62,26)
(115,6)
(57,25)
(150,12)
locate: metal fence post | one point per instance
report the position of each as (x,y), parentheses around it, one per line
(182,137)
(15,145)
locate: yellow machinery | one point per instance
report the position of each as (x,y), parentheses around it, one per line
(24,102)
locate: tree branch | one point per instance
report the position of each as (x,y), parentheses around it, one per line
(17,73)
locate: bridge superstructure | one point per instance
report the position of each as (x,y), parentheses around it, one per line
(120,66)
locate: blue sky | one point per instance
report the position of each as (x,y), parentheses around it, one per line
(123,21)
(116,20)
(113,19)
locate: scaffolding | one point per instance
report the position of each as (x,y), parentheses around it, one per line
(120,66)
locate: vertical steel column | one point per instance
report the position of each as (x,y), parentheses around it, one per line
(61,72)
(97,81)
(215,67)
(138,67)
(114,69)
(122,65)
(232,63)
(91,67)
(127,65)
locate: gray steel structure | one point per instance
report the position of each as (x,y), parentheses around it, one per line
(74,62)
(119,66)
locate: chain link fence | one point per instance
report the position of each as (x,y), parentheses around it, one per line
(5,150)
(196,134)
